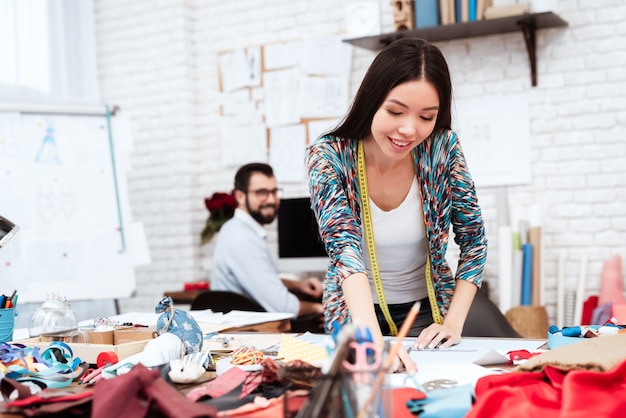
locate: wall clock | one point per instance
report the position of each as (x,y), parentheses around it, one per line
(363,18)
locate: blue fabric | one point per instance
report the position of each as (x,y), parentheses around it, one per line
(182,325)
(454,402)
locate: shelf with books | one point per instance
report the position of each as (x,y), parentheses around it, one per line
(526,23)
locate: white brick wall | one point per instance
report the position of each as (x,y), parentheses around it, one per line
(157,61)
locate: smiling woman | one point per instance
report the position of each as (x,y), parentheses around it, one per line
(387,186)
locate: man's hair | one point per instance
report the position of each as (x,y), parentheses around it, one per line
(242,178)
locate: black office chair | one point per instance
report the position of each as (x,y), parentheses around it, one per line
(226,301)
(486,320)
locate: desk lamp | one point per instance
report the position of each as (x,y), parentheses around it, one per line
(7,230)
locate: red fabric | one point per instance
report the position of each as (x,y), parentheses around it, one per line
(227,382)
(520,355)
(396,407)
(269,408)
(141,392)
(49,396)
(588,306)
(552,392)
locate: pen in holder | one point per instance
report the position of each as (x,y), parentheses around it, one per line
(348,380)
(360,369)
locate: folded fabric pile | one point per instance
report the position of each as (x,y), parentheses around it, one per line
(583,379)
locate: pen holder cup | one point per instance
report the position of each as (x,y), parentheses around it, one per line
(356,393)
(8,318)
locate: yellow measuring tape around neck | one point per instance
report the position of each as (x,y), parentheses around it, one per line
(369,237)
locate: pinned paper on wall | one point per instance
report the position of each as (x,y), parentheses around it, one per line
(281,55)
(302,82)
(323,97)
(495,135)
(241,144)
(326,56)
(316,128)
(281,104)
(240,68)
(287,145)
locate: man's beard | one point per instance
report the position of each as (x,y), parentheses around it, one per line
(259,217)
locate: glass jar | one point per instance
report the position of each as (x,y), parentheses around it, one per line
(54,317)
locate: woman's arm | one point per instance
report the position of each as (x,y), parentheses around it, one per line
(361,305)
(452,326)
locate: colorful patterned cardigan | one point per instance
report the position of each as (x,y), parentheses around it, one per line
(448,197)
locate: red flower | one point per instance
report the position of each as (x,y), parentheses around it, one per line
(221,207)
(220,201)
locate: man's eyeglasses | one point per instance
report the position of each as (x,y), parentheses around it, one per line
(263,194)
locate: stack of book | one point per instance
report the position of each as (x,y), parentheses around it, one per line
(447,12)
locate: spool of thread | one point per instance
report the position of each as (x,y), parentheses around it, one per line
(576,331)
(608,330)
(106,357)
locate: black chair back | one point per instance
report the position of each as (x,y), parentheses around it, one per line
(224,301)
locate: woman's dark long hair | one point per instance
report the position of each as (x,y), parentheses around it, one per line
(404,60)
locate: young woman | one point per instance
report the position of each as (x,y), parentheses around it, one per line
(395,168)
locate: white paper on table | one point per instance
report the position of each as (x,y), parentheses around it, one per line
(238,318)
(462,374)
(480,351)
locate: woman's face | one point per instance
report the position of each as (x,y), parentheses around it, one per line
(406,117)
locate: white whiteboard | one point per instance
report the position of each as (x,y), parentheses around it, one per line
(57,182)
(495,135)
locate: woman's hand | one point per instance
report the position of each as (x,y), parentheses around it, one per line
(403,362)
(436,334)
(449,333)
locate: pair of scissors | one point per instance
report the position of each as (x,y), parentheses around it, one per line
(364,357)
(93,376)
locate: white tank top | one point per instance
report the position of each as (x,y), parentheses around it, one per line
(400,242)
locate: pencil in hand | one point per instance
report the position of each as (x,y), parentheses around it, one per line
(393,352)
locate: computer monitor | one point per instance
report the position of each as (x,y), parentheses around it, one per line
(299,245)
(7,230)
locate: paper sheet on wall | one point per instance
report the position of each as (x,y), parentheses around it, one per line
(287,145)
(238,108)
(495,136)
(281,104)
(315,128)
(326,56)
(242,143)
(323,97)
(281,55)
(235,70)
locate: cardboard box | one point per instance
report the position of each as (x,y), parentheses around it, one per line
(99,337)
(133,334)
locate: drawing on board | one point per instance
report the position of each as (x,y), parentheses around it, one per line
(48,153)
(60,188)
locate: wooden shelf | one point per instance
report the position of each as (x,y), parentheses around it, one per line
(526,23)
